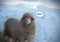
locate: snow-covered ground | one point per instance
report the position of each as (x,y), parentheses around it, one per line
(48,26)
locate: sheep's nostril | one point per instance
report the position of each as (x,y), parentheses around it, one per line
(28,21)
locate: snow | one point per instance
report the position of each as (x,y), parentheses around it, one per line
(48,26)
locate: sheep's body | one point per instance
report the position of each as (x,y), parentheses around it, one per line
(16,30)
(11,27)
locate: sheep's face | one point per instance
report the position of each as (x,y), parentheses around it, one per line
(28,18)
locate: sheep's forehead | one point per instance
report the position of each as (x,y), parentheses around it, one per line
(28,14)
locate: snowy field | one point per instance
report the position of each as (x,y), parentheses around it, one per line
(48,26)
